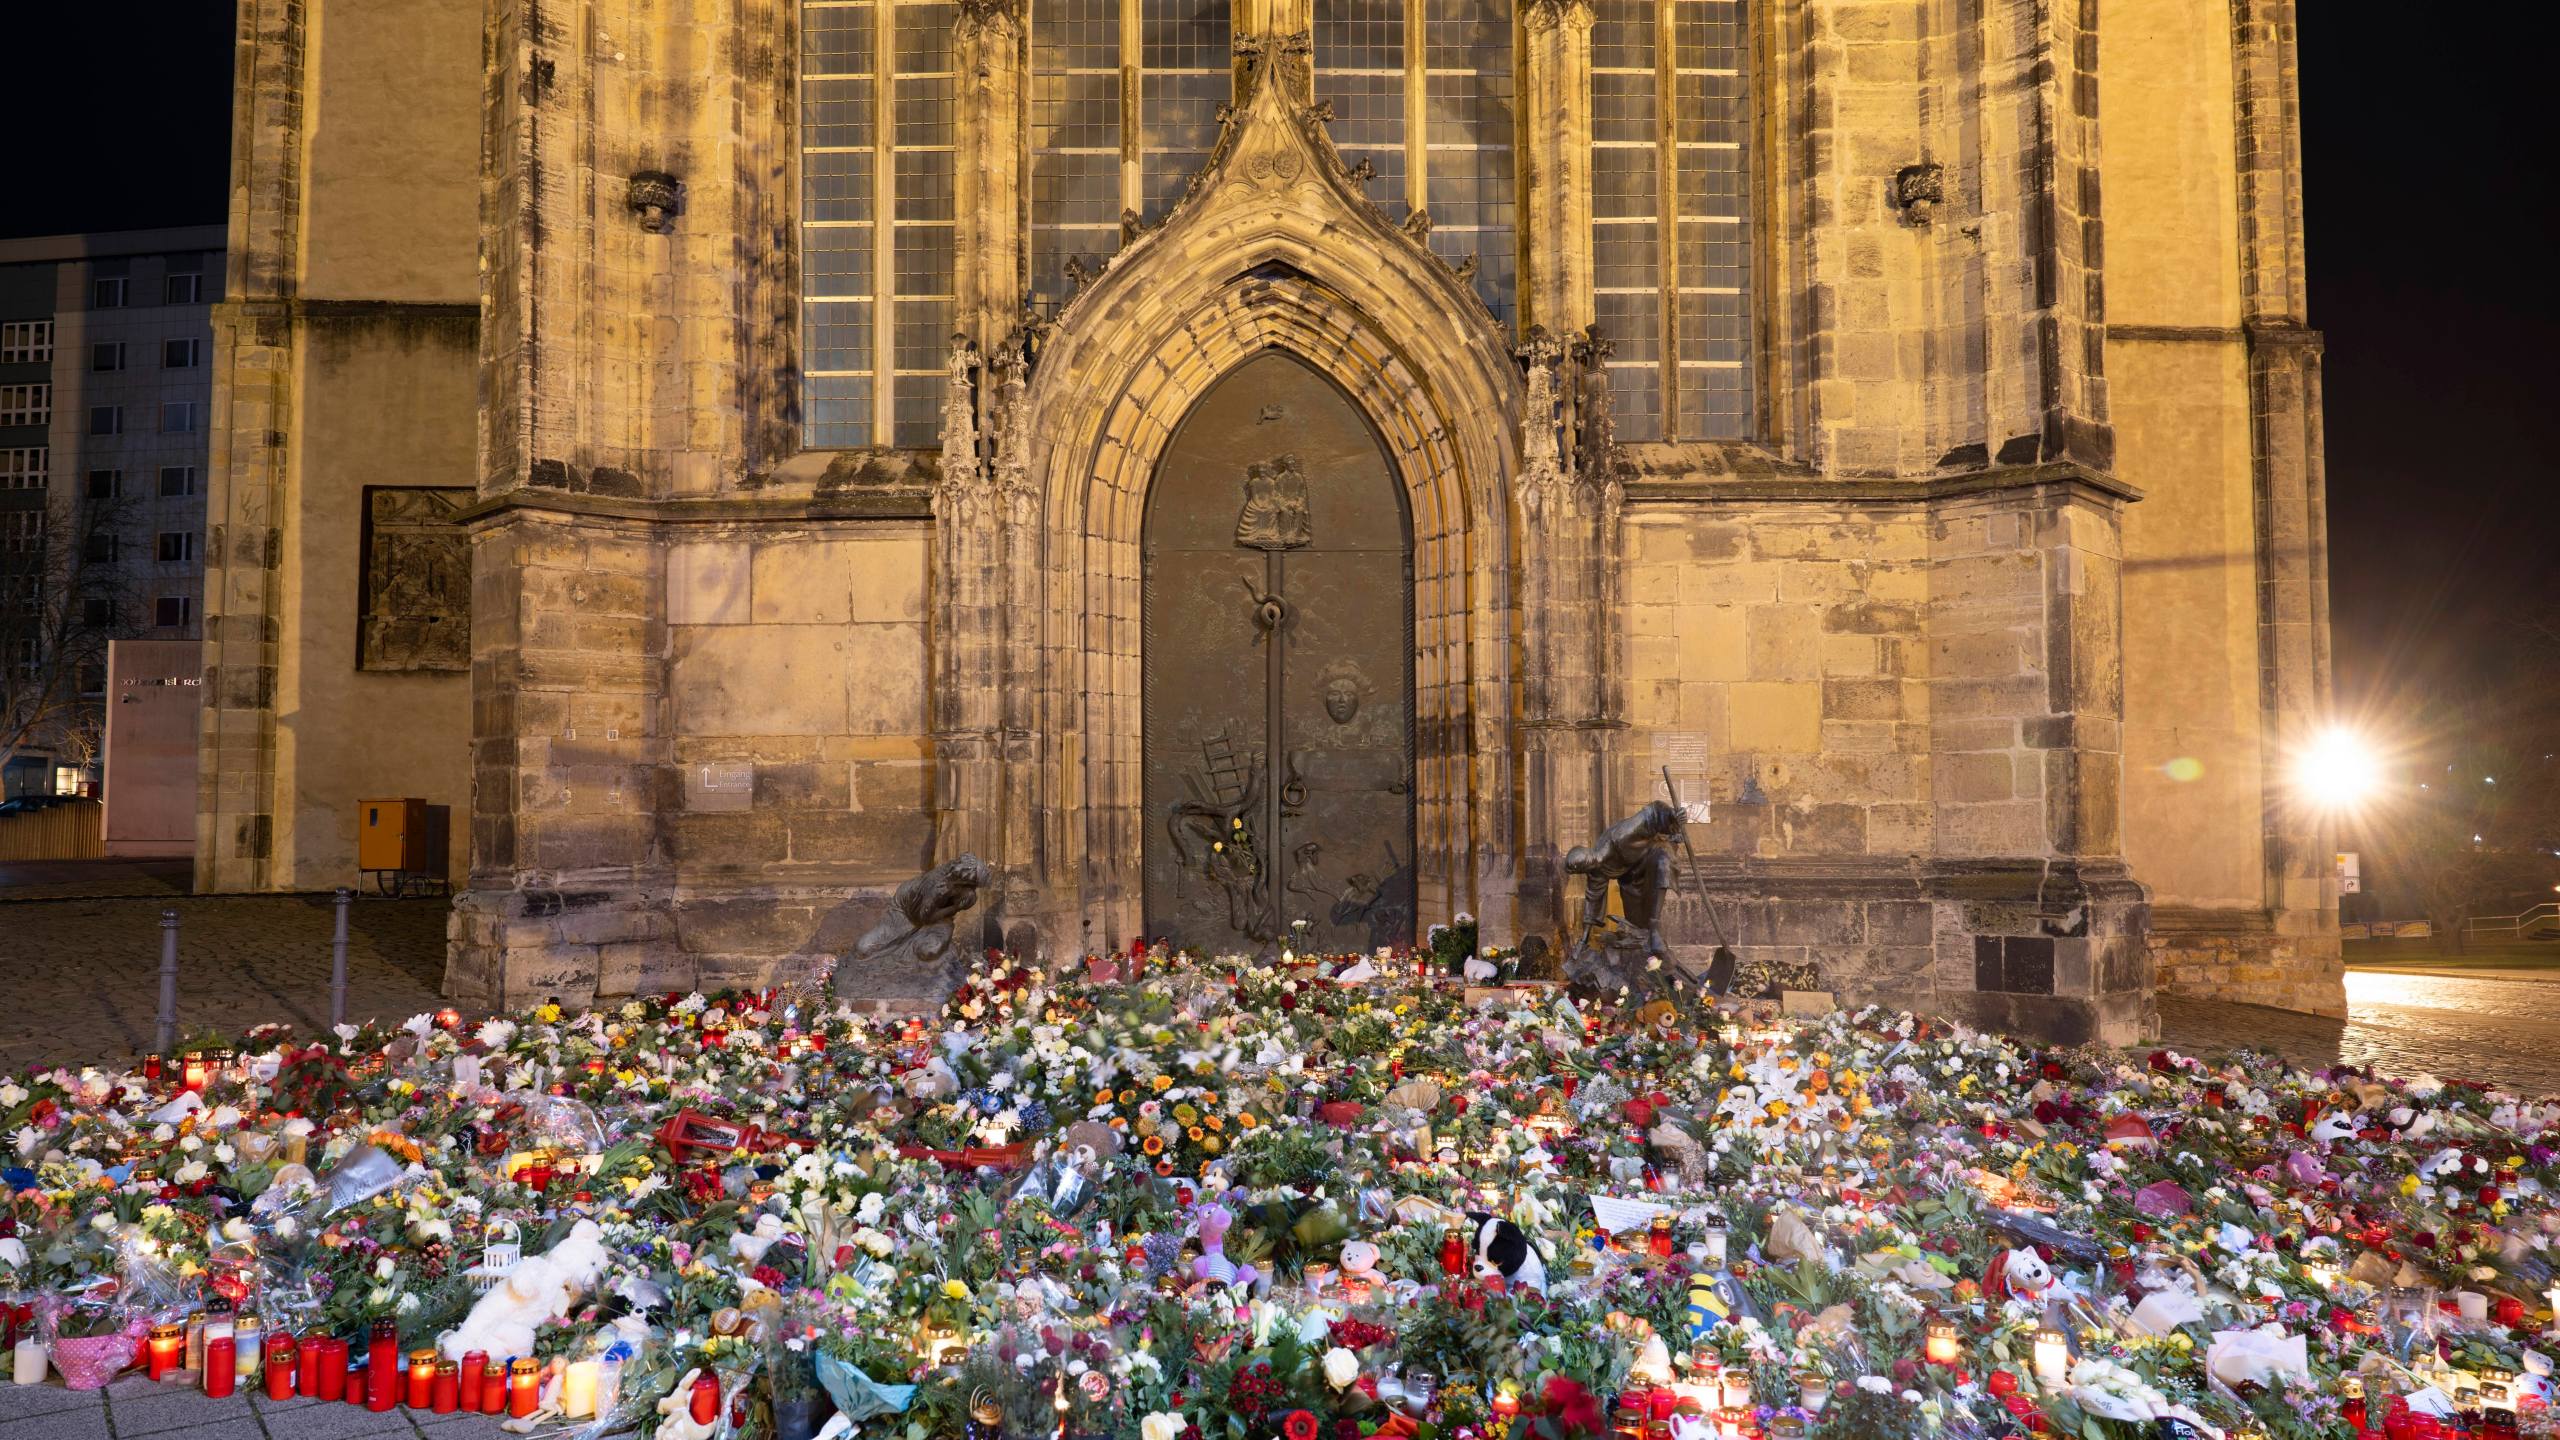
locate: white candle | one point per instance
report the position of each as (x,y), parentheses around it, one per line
(578,1390)
(2053,1356)
(31,1359)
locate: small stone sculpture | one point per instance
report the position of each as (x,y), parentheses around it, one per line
(916,933)
(1636,854)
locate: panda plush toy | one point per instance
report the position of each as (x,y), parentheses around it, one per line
(1503,1249)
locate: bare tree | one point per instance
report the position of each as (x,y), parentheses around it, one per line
(60,602)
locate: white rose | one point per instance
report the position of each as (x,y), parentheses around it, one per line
(1341,1367)
(1163,1425)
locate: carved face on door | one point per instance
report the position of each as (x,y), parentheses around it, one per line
(1278,674)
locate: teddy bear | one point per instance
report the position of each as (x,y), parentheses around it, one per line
(539,1290)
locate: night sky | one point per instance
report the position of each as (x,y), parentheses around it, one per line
(2430,195)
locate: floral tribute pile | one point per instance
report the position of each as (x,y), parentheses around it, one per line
(1178,1199)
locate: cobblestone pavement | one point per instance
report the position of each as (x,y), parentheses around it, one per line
(2497,1027)
(81,975)
(134,1407)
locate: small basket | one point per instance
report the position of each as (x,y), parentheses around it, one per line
(497,1258)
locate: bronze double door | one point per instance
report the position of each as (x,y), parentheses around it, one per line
(1278,681)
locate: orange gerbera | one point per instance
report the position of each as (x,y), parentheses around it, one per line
(1163,1083)
(1194,1133)
(1154,1145)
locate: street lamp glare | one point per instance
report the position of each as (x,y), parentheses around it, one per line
(2337,770)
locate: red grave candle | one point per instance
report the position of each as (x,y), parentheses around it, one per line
(469,1380)
(493,1387)
(382,1367)
(219,1366)
(447,1390)
(280,1366)
(306,1378)
(524,1387)
(422,1378)
(332,1381)
(706,1398)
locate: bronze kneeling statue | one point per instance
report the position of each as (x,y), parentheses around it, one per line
(1627,954)
(915,936)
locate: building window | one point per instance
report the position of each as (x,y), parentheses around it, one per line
(177,547)
(1186,70)
(97,612)
(173,612)
(26,404)
(1359,56)
(25,467)
(176,480)
(1088,162)
(182,289)
(106,355)
(876,118)
(106,419)
(25,342)
(1075,141)
(107,292)
(184,354)
(1670,271)
(105,484)
(100,549)
(21,530)
(177,417)
(1466,144)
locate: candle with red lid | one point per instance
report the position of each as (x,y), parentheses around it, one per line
(218,1366)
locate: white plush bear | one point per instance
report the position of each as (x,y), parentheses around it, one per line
(539,1290)
(750,1245)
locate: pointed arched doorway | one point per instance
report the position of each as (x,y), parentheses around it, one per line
(1278,672)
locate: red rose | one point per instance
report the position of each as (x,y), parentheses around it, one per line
(2001,1383)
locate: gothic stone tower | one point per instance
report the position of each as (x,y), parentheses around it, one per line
(1395,431)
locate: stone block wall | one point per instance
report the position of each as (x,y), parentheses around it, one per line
(1788,640)
(1909,707)
(796,689)
(712,761)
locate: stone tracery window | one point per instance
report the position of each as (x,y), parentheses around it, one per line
(875,143)
(1671,280)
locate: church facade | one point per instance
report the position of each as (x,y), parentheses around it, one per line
(1266,472)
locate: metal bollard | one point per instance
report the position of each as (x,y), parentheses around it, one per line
(338,961)
(168,1028)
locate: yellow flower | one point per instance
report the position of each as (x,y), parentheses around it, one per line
(955,1290)
(1184,1113)
(1214,1123)
(1246,1120)
(1153,1145)
(1194,1133)
(547,1014)
(1163,1083)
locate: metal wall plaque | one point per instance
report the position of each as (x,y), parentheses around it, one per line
(1279,674)
(416,605)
